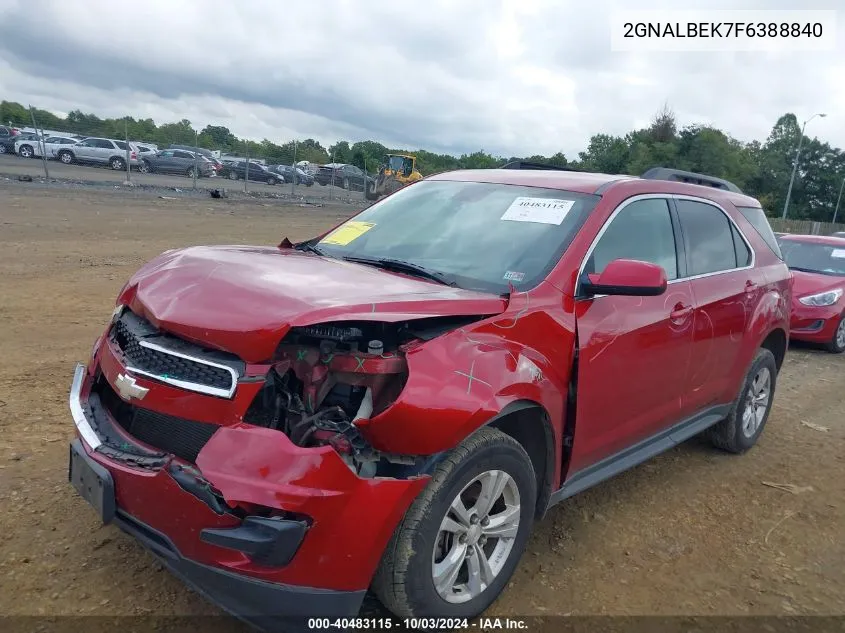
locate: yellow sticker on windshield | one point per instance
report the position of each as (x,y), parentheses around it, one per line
(345,233)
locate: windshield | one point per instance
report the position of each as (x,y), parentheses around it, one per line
(814,257)
(484,236)
(396,163)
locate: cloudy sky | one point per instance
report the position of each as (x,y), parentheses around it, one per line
(512,77)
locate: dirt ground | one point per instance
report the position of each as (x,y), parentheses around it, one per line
(694,532)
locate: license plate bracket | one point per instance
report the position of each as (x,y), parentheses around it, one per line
(93,482)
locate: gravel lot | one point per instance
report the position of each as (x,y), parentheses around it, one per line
(694,532)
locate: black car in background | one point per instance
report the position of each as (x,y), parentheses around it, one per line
(8,134)
(340,175)
(287,172)
(256,172)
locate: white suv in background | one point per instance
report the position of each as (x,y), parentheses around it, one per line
(99,151)
(32,149)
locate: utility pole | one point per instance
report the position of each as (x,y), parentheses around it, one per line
(795,165)
(838,200)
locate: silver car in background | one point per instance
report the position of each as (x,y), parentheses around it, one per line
(100,151)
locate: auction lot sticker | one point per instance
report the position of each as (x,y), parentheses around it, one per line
(346,233)
(540,210)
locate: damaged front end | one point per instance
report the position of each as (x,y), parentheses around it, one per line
(326,381)
(258,482)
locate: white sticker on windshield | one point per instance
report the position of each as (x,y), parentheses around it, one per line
(540,210)
(838,253)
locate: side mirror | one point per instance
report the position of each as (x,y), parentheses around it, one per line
(627,277)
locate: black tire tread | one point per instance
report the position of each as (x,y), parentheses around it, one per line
(389,583)
(830,346)
(724,435)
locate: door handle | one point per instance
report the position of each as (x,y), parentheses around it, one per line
(680,312)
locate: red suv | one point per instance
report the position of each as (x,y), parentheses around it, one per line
(393,404)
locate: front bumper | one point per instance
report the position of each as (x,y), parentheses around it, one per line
(814,324)
(350,519)
(268,605)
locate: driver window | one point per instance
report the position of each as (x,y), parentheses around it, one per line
(641,231)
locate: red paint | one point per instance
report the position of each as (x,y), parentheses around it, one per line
(243,299)
(644,364)
(630,274)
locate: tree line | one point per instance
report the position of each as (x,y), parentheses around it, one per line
(761,169)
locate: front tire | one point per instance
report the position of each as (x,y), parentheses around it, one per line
(837,343)
(459,543)
(65,157)
(742,428)
(233,176)
(271,181)
(25,151)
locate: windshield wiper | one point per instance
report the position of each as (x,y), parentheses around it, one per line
(399,265)
(309,247)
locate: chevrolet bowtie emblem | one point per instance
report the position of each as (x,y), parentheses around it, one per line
(128,388)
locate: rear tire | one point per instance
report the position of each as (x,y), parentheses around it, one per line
(233,176)
(837,343)
(413,580)
(741,429)
(2,149)
(117,164)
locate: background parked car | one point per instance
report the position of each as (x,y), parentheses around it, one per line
(340,175)
(257,173)
(7,133)
(99,151)
(818,271)
(176,161)
(287,173)
(31,148)
(8,142)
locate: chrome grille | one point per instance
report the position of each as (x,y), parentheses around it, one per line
(154,354)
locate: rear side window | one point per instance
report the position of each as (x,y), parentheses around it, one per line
(757,218)
(121,145)
(743,253)
(708,236)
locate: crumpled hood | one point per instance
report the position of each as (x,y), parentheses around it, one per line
(813,283)
(243,299)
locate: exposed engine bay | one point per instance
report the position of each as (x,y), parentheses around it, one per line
(327,380)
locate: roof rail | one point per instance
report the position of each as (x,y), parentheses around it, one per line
(677,175)
(524,164)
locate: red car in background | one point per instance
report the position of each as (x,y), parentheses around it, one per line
(818,267)
(394,403)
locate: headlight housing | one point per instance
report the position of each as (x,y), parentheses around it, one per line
(821,299)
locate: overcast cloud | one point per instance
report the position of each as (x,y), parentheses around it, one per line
(512,77)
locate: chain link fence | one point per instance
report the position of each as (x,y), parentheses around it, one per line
(66,154)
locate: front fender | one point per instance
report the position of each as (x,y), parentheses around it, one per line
(459,381)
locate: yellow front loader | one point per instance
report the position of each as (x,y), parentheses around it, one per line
(397,171)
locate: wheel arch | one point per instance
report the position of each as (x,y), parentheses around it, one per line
(529,424)
(777,342)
